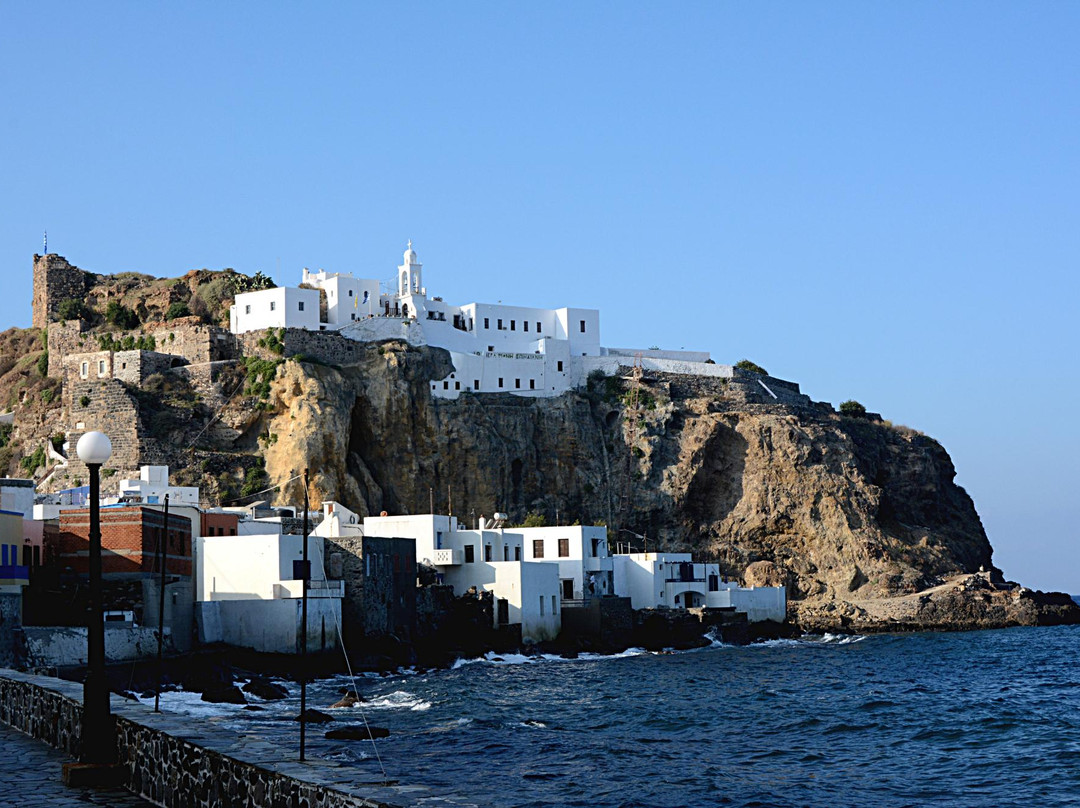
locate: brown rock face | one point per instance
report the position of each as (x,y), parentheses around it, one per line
(838,509)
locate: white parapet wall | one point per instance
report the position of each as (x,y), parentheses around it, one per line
(760,603)
(269,626)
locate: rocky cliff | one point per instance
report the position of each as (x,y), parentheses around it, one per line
(861,520)
(841,510)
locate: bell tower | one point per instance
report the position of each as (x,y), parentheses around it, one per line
(410,279)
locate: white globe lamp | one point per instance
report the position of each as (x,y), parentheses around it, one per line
(94,448)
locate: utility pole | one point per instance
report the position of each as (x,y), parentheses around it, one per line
(303,625)
(161,609)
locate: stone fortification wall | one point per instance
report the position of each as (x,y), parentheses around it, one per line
(132,367)
(327,347)
(55,280)
(65,339)
(110,408)
(195,341)
(741,388)
(170,762)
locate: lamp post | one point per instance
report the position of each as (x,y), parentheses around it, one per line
(98,730)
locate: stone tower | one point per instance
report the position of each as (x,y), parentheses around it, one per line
(55,280)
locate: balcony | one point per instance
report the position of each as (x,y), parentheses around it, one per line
(448,557)
(598,564)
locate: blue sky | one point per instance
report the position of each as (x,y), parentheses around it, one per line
(878,201)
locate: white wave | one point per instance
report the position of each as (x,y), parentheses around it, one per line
(398,700)
(530,724)
(186,703)
(841,639)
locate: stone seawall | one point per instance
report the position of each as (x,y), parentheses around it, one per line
(180,763)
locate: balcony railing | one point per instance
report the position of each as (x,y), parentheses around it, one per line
(18,572)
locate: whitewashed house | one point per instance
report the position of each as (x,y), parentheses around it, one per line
(282,307)
(491,560)
(674,580)
(248,593)
(153,485)
(347,298)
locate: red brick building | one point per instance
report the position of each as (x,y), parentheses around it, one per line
(215,523)
(129,540)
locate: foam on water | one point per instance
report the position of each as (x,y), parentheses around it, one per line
(185,703)
(398,700)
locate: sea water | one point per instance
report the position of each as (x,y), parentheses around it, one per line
(986,718)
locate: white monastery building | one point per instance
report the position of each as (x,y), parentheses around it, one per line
(495,348)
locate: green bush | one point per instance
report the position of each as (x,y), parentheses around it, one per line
(47,395)
(533,519)
(84,401)
(57,441)
(242,283)
(43,365)
(121,316)
(35,460)
(72,309)
(853,409)
(753,367)
(5,434)
(260,373)
(177,309)
(273,341)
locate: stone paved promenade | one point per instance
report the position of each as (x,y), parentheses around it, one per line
(32,778)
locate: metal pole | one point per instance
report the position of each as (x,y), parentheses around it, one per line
(303,628)
(98,731)
(164,553)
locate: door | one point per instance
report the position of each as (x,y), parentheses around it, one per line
(568,589)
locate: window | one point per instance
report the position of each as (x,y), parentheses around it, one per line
(273,305)
(582,326)
(350,293)
(538,548)
(525,325)
(101,367)
(469,551)
(506,552)
(537,326)
(491,348)
(554,605)
(487,324)
(476,384)
(85,369)
(457,385)
(300,305)
(517,384)
(560,366)
(595,547)
(487,552)
(714,583)
(532,384)
(517,554)
(564,548)
(446,385)
(513,325)
(500,381)
(500,324)
(541,605)
(247,309)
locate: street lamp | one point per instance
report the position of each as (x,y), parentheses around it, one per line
(98,729)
